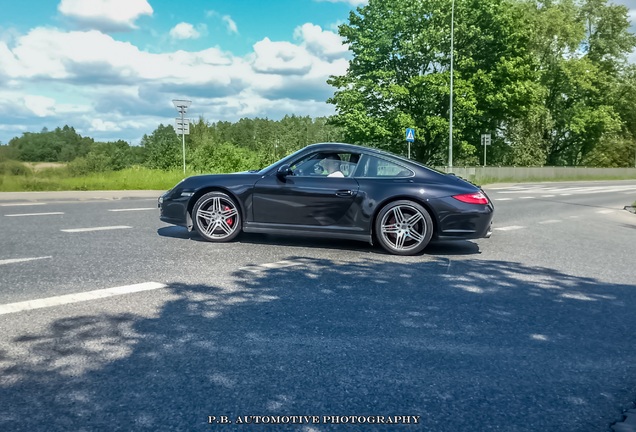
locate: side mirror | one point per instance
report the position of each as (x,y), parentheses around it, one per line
(284,170)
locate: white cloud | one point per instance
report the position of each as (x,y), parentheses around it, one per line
(121,91)
(322,43)
(231,25)
(106,15)
(99,125)
(184,30)
(41,106)
(280,57)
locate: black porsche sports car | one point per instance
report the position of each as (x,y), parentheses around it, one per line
(333,190)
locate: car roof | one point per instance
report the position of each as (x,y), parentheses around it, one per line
(338,146)
(344,147)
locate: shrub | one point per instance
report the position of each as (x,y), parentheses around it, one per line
(11,167)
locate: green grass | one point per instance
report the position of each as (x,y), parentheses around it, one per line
(58,179)
(17,177)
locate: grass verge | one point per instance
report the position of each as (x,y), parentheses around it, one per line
(58,179)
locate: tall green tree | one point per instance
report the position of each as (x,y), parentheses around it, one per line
(163,148)
(541,76)
(400,74)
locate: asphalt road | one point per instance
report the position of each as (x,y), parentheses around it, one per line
(112,320)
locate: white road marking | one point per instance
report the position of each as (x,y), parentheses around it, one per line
(550,221)
(19,260)
(503,199)
(79,297)
(547,196)
(565,194)
(605,211)
(35,214)
(74,230)
(509,228)
(527,197)
(132,209)
(274,265)
(21,204)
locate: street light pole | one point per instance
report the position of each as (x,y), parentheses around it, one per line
(182,106)
(452,49)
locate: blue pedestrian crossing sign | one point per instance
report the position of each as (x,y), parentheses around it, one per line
(410,134)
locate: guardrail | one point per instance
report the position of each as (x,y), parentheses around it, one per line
(525,174)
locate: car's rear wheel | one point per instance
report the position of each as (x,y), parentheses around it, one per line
(216,217)
(404,227)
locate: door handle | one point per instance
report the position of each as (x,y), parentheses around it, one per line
(344,193)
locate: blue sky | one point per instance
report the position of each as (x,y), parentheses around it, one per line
(110,68)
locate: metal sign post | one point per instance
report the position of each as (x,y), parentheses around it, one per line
(410,137)
(183,124)
(485,141)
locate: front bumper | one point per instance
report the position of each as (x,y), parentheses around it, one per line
(173,211)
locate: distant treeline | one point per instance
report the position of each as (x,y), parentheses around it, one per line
(210,147)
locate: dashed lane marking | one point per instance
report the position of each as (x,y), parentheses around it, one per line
(550,221)
(79,297)
(104,228)
(271,266)
(509,228)
(35,214)
(502,199)
(132,209)
(19,260)
(21,204)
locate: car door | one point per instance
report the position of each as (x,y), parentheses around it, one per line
(304,200)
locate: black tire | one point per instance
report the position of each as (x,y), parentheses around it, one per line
(403,227)
(217,217)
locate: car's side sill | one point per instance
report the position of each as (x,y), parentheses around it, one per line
(251,228)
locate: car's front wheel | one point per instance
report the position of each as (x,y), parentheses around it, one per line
(404,227)
(216,217)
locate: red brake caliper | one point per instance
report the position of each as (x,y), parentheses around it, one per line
(230,221)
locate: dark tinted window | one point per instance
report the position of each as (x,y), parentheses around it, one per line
(372,166)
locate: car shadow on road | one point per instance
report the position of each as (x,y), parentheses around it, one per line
(459,247)
(478,345)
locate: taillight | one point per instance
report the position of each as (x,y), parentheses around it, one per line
(472,198)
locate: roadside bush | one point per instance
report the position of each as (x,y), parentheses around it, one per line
(11,167)
(224,158)
(78,167)
(93,162)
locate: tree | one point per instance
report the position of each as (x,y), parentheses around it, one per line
(542,76)
(400,73)
(163,148)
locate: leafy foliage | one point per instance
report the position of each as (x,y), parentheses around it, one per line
(547,78)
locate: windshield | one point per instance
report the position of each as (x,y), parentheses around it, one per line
(286,158)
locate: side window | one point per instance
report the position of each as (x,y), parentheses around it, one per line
(372,166)
(325,164)
(307,166)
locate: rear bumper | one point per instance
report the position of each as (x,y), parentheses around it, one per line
(460,221)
